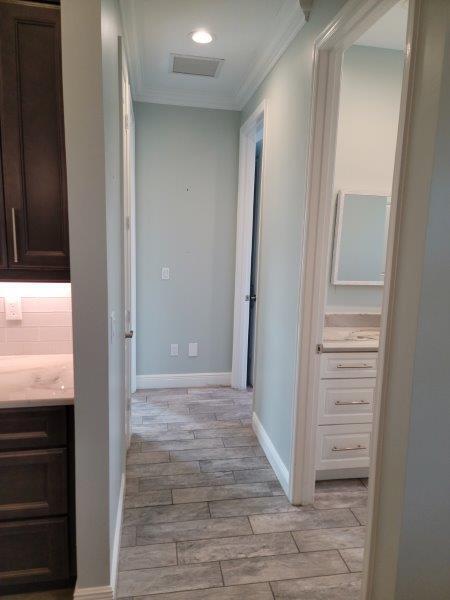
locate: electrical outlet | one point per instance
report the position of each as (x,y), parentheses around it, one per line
(193,349)
(165,273)
(173,349)
(13,308)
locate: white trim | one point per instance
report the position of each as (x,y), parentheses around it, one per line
(272,455)
(183,98)
(288,23)
(244,235)
(175,380)
(117,535)
(104,592)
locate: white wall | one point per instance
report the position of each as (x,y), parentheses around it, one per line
(367,134)
(288,91)
(90,82)
(186,169)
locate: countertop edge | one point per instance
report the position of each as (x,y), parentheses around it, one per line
(36,403)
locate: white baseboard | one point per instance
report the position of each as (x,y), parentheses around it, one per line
(273,457)
(94,593)
(177,380)
(117,536)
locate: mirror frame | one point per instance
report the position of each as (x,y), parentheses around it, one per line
(338,235)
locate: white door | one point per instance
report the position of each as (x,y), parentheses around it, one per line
(128,243)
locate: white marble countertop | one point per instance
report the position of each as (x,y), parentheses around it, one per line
(36,380)
(350,339)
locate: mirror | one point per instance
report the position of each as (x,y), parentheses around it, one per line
(360,239)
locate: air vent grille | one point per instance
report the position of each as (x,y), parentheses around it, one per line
(196,65)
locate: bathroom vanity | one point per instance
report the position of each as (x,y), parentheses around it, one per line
(348,368)
(37,507)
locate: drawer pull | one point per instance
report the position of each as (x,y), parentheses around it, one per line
(354,366)
(350,402)
(358,447)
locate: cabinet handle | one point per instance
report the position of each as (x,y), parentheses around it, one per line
(360,366)
(350,402)
(13,214)
(358,447)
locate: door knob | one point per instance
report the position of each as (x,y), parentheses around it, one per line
(250,298)
(129,334)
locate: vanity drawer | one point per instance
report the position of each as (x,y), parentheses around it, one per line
(346,401)
(33,483)
(33,552)
(343,446)
(33,427)
(348,365)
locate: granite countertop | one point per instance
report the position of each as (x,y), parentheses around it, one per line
(350,339)
(36,380)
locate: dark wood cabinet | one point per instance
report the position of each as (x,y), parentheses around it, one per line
(33,552)
(37,499)
(34,225)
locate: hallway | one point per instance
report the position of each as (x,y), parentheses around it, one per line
(206,519)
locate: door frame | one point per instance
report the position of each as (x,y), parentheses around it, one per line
(129,233)
(356,17)
(244,235)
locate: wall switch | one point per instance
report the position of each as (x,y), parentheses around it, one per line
(193,349)
(13,308)
(165,273)
(173,349)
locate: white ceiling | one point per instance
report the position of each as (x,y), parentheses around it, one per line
(389,31)
(249,34)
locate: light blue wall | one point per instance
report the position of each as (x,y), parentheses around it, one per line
(288,91)
(186,169)
(367,135)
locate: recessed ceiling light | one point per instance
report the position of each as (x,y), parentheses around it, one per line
(201,36)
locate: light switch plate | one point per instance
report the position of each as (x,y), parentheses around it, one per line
(165,273)
(193,349)
(173,349)
(13,308)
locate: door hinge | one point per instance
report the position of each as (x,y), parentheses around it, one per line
(127,222)
(319,348)
(127,122)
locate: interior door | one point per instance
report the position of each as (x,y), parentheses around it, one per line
(128,241)
(254,267)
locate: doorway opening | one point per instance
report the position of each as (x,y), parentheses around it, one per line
(250,197)
(358,119)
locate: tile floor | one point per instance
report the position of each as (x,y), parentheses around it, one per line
(206,519)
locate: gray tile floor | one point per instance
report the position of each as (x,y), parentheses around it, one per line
(206,519)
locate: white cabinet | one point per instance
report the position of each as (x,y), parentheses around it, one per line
(345,413)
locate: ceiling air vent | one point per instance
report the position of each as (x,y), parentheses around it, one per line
(196,65)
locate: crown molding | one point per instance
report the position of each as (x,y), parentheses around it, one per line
(306,7)
(288,23)
(180,98)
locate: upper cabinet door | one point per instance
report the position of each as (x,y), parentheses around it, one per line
(32,136)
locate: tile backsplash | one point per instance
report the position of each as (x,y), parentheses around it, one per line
(45,328)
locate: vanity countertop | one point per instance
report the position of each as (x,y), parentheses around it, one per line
(350,339)
(36,380)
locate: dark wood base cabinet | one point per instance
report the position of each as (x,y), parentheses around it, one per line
(37,499)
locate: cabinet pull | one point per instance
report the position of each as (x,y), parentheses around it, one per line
(360,366)
(13,214)
(358,447)
(350,402)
